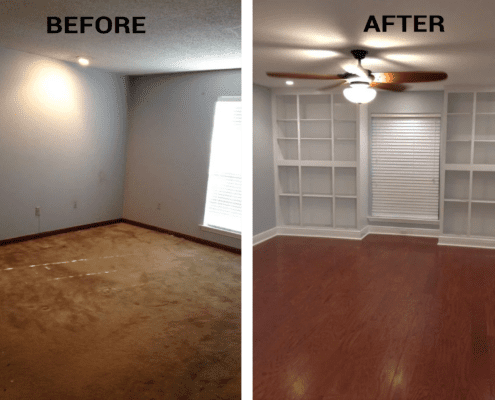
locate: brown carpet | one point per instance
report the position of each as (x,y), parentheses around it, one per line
(119,312)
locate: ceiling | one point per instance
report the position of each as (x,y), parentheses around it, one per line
(181,35)
(316,36)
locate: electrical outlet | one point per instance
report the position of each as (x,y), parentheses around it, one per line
(159,206)
(37,211)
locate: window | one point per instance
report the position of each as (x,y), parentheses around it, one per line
(405,162)
(223,196)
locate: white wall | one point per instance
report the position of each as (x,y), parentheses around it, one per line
(170,127)
(407,103)
(62,139)
(263,183)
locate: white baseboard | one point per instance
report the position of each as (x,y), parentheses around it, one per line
(365,231)
(264,236)
(321,232)
(355,234)
(393,230)
(476,242)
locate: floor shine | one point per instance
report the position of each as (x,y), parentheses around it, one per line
(119,312)
(389,318)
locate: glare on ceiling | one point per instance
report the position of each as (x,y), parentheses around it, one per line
(313,37)
(383,44)
(320,53)
(404,57)
(83,61)
(372,61)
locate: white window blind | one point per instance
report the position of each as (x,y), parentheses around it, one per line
(223,196)
(405,162)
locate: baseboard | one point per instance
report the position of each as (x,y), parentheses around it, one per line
(116,221)
(353,234)
(184,236)
(59,231)
(393,230)
(365,232)
(475,242)
(264,236)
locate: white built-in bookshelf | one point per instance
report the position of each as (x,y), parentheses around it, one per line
(469,188)
(316,143)
(322,167)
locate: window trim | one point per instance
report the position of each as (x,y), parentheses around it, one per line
(220,231)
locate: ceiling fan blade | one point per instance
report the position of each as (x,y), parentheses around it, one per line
(394,87)
(333,86)
(410,77)
(304,76)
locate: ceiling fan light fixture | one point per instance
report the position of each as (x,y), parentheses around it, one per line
(360,92)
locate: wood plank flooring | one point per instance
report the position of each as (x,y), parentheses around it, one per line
(388,317)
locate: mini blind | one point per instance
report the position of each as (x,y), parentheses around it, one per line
(405,162)
(223,196)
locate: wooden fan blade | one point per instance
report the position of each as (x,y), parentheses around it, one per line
(333,86)
(394,87)
(303,76)
(409,77)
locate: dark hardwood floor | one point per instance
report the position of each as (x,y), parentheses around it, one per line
(384,318)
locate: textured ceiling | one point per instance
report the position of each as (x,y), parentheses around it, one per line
(317,35)
(181,35)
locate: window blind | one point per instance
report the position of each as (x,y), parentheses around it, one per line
(224,196)
(405,162)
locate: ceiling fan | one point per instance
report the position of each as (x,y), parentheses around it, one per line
(362,81)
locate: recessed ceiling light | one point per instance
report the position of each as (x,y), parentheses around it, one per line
(290,83)
(83,61)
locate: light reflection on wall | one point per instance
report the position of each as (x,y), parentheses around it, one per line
(55,89)
(51,96)
(52,90)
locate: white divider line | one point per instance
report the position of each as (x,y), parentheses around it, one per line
(80,275)
(73,261)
